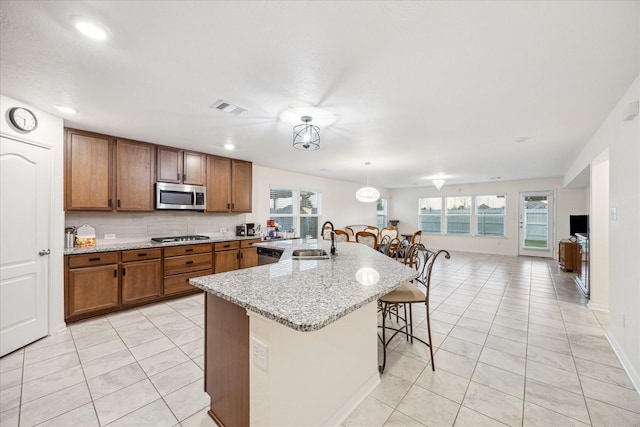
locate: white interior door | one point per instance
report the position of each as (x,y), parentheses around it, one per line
(24,243)
(536,222)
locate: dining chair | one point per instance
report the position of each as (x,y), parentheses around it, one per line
(373,230)
(326,233)
(351,233)
(416,237)
(388,231)
(367,238)
(383,245)
(409,293)
(341,236)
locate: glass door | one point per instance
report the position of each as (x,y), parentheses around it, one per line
(536,224)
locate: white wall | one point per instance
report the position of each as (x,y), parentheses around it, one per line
(48,134)
(339,204)
(622,138)
(599,233)
(403,205)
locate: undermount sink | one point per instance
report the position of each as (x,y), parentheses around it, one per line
(309,254)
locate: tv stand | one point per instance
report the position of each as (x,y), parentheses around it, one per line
(569,256)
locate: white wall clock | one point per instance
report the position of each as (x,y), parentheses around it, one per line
(23,119)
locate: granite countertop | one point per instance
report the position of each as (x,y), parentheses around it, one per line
(307,295)
(124,246)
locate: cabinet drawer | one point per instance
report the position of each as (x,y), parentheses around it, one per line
(187,263)
(248,243)
(88,260)
(180,282)
(141,254)
(225,246)
(187,250)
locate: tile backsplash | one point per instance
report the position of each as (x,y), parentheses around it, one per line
(135,227)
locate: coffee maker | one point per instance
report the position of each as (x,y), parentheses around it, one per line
(250,229)
(246,229)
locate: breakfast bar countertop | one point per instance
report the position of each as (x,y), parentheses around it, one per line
(307,295)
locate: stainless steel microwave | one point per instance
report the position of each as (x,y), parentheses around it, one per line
(180,197)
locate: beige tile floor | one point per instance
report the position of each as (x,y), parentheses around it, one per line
(515,345)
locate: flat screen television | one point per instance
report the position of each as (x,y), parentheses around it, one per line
(578,224)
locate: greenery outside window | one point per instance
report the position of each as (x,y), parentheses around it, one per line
(430,214)
(458,215)
(490,215)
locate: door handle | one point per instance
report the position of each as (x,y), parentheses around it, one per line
(44,252)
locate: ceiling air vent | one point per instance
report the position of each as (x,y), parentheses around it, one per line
(228,107)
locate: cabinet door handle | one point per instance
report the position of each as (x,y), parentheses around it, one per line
(226,246)
(124,272)
(143,254)
(110,203)
(189,262)
(178,177)
(94,259)
(189,250)
(233,206)
(184,177)
(115,273)
(228,205)
(118,202)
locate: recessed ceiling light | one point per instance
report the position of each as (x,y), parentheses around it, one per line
(495,177)
(522,138)
(66,110)
(89,28)
(229,146)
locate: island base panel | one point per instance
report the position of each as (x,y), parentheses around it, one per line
(313,378)
(227,361)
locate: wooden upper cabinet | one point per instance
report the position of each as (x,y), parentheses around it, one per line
(229,184)
(181,167)
(194,168)
(241,176)
(88,171)
(135,166)
(218,184)
(169,165)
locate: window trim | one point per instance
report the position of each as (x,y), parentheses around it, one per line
(473,215)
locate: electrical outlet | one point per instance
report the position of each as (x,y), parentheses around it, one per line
(260,353)
(109,236)
(223,230)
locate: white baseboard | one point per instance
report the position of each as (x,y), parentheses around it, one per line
(59,328)
(354,401)
(598,307)
(626,363)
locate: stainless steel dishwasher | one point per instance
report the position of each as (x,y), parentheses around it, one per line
(268,255)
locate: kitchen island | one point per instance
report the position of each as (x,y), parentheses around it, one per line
(295,343)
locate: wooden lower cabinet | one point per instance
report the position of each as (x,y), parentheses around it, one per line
(141,275)
(184,262)
(104,282)
(248,253)
(180,282)
(229,256)
(91,289)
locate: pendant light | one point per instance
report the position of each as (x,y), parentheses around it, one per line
(306,137)
(367,194)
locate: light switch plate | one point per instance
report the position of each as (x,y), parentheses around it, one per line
(109,236)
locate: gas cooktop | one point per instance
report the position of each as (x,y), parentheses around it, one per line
(178,238)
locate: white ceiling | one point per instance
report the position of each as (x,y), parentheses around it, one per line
(418,88)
